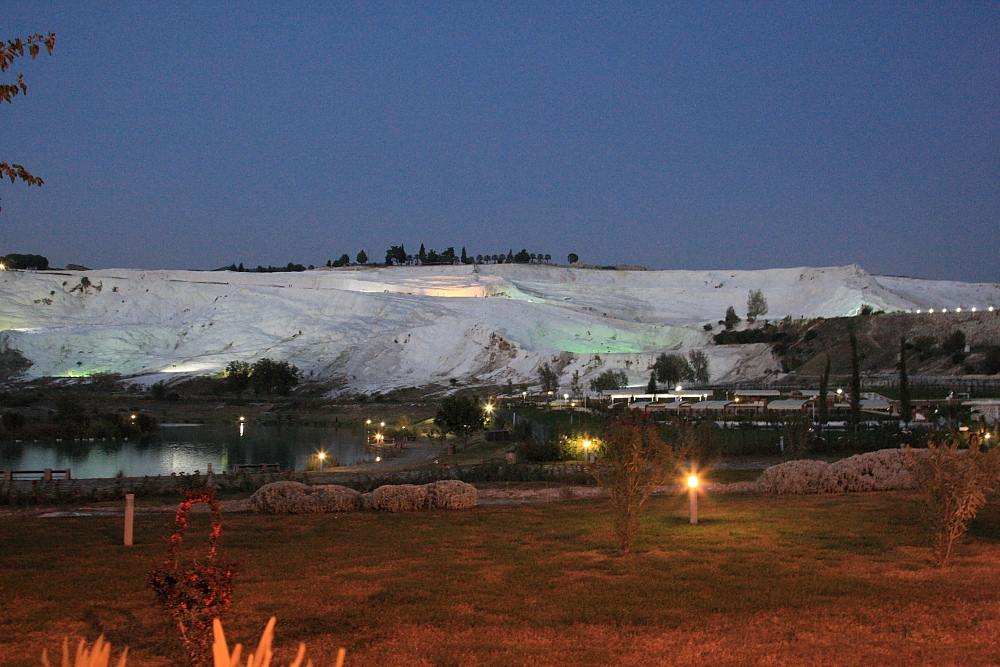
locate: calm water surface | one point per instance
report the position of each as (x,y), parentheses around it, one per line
(187,448)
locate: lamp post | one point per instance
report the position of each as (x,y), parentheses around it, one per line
(693,497)
(322,457)
(586,451)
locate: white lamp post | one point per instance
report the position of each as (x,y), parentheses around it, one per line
(693,497)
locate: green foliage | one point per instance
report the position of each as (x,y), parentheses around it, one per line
(651,387)
(824,387)
(344,260)
(158,391)
(700,444)
(572,258)
(905,409)
(924,346)
(395,255)
(954,484)
(238,377)
(991,364)
(798,435)
(732,319)
(756,305)
(954,345)
(362,257)
(461,415)
(671,369)
(609,380)
(273,377)
(633,461)
(548,377)
(17,261)
(699,367)
(855,381)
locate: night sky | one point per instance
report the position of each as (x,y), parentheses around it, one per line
(702,135)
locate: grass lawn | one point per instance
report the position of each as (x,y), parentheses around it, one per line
(819,580)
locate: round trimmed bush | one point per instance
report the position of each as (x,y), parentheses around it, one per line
(285,498)
(451,494)
(399,498)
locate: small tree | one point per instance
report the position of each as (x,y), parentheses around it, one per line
(732,319)
(797,433)
(651,387)
(824,388)
(756,305)
(698,362)
(575,389)
(954,484)
(609,380)
(671,369)
(855,383)
(573,258)
(362,257)
(548,377)
(269,377)
(634,460)
(905,409)
(238,377)
(462,416)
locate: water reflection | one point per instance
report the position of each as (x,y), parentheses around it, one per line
(177,449)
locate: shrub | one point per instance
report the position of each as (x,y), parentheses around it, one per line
(399,498)
(883,470)
(195,592)
(954,484)
(284,498)
(335,498)
(451,494)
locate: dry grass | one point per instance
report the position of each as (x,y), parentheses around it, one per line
(833,580)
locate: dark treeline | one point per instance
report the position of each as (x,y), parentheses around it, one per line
(397,256)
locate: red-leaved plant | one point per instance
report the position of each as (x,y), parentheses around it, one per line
(198,590)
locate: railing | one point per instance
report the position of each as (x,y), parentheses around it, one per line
(47,474)
(256,467)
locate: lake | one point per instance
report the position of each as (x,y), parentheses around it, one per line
(187,448)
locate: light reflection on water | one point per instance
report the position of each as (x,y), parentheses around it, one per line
(186,449)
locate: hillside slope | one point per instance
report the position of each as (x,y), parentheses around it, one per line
(368,329)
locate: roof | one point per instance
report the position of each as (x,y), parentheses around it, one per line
(786,405)
(710,405)
(757,392)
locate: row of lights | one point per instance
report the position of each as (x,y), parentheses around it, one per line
(931,311)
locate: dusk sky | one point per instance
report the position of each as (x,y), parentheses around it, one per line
(702,135)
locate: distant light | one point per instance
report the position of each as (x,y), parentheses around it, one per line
(930,310)
(133,416)
(368,421)
(489,408)
(693,481)
(840,391)
(377,459)
(586,444)
(958,310)
(944,310)
(990,309)
(973,309)
(565,397)
(918,311)
(678,388)
(988,435)
(242,418)
(3,267)
(322,455)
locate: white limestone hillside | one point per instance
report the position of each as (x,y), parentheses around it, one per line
(379,329)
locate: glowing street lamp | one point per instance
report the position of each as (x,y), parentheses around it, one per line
(322,457)
(692,481)
(586,451)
